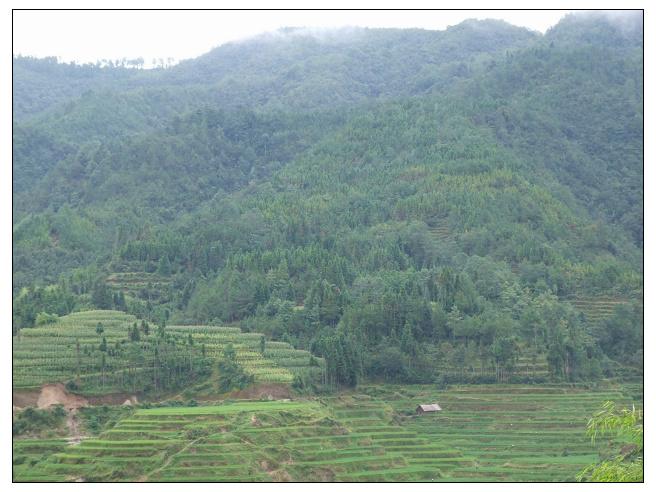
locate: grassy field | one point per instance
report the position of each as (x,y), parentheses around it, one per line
(484,433)
(49,353)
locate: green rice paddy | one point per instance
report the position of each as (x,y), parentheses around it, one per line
(484,433)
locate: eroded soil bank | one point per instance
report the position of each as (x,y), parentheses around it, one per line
(57,394)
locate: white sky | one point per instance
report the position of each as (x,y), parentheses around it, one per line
(88,36)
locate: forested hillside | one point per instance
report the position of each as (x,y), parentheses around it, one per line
(408,205)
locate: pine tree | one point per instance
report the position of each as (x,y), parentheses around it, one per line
(164,266)
(408,342)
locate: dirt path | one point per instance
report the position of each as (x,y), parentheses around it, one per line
(75,437)
(166,463)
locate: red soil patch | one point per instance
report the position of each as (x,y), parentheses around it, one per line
(56,394)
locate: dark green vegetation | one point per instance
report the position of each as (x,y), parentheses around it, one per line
(231,374)
(484,433)
(35,421)
(410,206)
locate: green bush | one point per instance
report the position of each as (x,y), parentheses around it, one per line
(34,421)
(45,319)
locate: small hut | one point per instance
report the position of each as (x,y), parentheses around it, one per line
(433,407)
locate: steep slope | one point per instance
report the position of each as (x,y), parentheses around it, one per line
(282,71)
(573,105)
(456,196)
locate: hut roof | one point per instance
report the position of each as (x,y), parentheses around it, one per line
(433,407)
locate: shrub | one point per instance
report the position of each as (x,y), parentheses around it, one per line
(231,373)
(71,385)
(33,420)
(45,319)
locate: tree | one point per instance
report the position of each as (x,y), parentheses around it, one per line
(504,351)
(103,361)
(626,426)
(161,329)
(78,360)
(231,373)
(388,362)
(100,328)
(454,318)
(164,266)
(101,296)
(408,343)
(119,301)
(339,354)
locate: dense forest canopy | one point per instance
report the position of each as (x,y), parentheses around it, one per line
(410,205)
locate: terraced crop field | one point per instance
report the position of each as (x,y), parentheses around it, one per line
(140,285)
(440,231)
(484,433)
(279,362)
(529,364)
(49,354)
(29,453)
(596,309)
(501,433)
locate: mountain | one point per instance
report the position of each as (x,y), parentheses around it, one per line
(400,202)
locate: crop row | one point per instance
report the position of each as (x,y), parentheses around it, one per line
(372,435)
(49,353)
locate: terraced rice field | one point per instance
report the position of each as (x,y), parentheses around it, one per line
(49,354)
(484,433)
(28,453)
(511,433)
